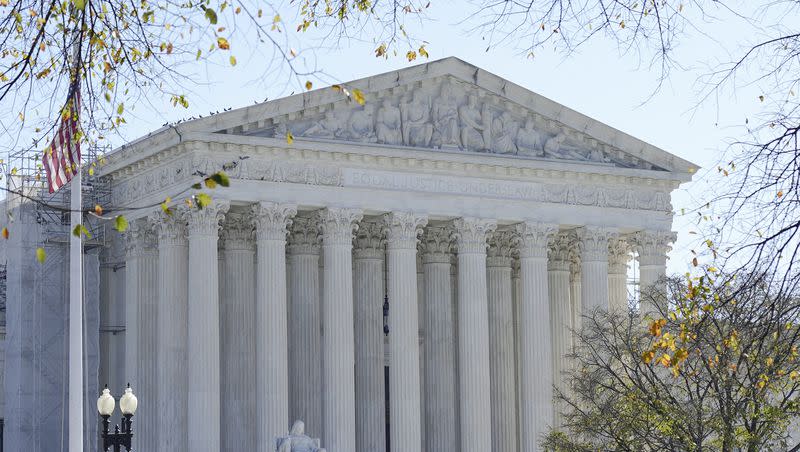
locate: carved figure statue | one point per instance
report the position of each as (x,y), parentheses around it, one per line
(298,441)
(552,147)
(503,134)
(529,141)
(445,118)
(417,129)
(596,155)
(359,127)
(472,126)
(327,127)
(388,124)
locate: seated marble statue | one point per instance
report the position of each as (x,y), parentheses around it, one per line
(387,124)
(359,126)
(417,129)
(503,135)
(529,141)
(298,441)
(445,119)
(472,125)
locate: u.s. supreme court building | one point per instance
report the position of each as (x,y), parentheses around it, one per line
(403,274)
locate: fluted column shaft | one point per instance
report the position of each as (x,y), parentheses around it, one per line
(558,284)
(338,355)
(237,333)
(404,382)
(473,334)
(576,302)
(618,256)
(141,312)
(536,410)
(173,298)
(594,267)
(272,344)
(652,248)
(305,341)
(440,345)
(203,328)
(501,344)
(368,298)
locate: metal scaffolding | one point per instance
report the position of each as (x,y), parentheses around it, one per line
(26,180)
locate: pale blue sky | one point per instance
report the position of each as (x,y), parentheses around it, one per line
(597,81)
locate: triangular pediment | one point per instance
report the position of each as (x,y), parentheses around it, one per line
(448,114)
(445,106)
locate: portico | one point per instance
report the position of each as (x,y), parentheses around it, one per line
(446,162)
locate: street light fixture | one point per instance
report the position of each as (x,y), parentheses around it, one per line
(127,405)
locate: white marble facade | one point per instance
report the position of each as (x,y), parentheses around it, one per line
(490,217)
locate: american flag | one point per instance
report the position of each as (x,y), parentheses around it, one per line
(63,157)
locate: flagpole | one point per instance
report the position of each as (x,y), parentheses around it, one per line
(76,318)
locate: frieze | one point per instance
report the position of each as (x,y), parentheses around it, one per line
(449,115)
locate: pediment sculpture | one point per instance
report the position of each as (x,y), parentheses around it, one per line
(298,441)
(449,115)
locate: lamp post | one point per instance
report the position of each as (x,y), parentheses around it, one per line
(127,404)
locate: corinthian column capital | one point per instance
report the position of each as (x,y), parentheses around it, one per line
(533,238)
(558,250)
(237,232)
(140,238)
(304,236)
(369,240)
(436,244)
(653,246)
(619,253)
(272,220)
(501,249)
(594,242)
(338,224)
(207,221)
(471,234)
(403,228)
(169,228)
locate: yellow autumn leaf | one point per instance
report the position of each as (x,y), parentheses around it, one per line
(309,85)
(232,59)
(423,52)
(780,193)
(5,233)
(289,137)
(40,255)
(223,43)
(359,97)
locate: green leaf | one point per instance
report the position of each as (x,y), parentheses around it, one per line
(221,178)
(211,15)
(40,255)
(79,4)
(120,223)
(81,229)
(120,109)
(197,186)
(203,200)
(210,183)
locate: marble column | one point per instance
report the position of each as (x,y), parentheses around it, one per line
(473,333)
(173,301)
(237,333)
(536,410)
(652,248)
(576,303)
(501,343)
(618,256)
(594,267)
(368,295)
(516,286)
(402,229)
(440,343)
(338,353)
(558,284)
(305,339)
(141,335)
(203,327)
(271,221)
